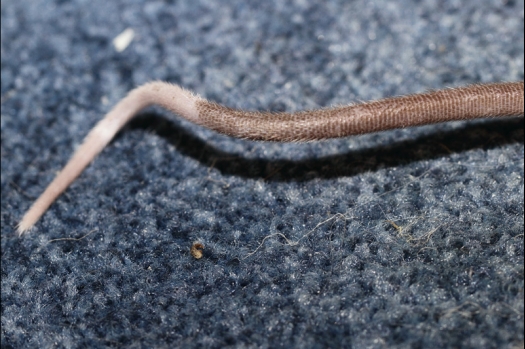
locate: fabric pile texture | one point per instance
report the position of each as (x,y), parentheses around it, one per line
(408,238)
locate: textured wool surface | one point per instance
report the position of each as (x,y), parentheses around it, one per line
(406,238)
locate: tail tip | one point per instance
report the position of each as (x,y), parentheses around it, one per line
(23,227)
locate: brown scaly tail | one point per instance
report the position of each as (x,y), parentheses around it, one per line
(464,103)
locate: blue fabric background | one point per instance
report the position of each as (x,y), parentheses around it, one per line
(402,239)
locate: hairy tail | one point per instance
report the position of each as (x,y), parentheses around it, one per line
(470,102)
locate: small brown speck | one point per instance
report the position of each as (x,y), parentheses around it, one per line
(397,227)
(196,250)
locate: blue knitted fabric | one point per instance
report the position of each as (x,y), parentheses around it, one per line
(408,238)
